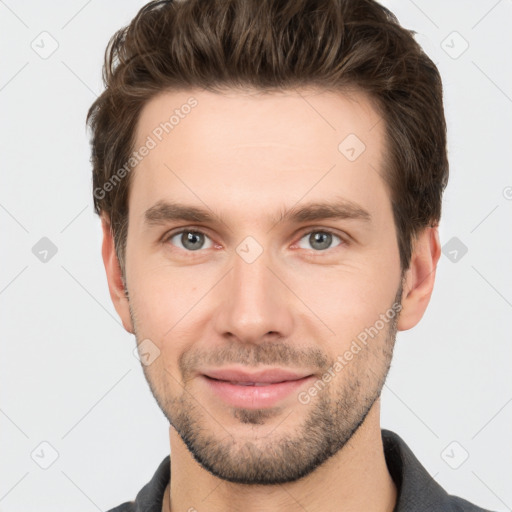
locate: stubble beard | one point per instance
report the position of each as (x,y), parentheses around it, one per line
(331,418)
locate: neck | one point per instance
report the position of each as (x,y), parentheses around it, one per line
(355,478)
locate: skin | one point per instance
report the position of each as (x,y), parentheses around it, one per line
(248,157)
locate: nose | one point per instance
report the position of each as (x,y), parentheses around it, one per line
(254,302)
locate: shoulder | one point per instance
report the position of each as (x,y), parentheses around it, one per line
(416,490)
(150,497)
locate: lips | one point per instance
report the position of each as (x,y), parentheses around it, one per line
(251,383)
(254,390)
(260,378)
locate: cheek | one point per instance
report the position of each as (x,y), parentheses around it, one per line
(164,300)
(348,298)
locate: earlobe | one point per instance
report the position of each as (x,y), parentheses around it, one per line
(116,287)
(419,278)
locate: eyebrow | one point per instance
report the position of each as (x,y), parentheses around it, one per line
(165,211)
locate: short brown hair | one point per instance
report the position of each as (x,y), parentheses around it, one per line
(272,45)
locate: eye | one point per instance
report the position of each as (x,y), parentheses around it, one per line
(193,240)
(319,239)
(190,240)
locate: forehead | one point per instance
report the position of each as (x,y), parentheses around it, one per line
(258,116)
(240,144)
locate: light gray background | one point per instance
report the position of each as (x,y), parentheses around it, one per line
(68,373)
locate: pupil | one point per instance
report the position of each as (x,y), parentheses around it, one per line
(191,237)
(317,238)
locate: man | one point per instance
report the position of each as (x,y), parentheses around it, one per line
(269,176)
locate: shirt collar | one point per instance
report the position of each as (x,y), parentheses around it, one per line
(416,489)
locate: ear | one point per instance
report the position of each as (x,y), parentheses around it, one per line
(114,276)
(419,278)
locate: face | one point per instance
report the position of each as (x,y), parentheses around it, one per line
(272,306)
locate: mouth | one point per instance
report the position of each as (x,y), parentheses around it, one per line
(254,390)
(259,378)
(248,383)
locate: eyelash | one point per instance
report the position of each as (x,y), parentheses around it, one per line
(168,236)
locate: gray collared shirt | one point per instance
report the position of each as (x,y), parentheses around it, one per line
(417,491)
